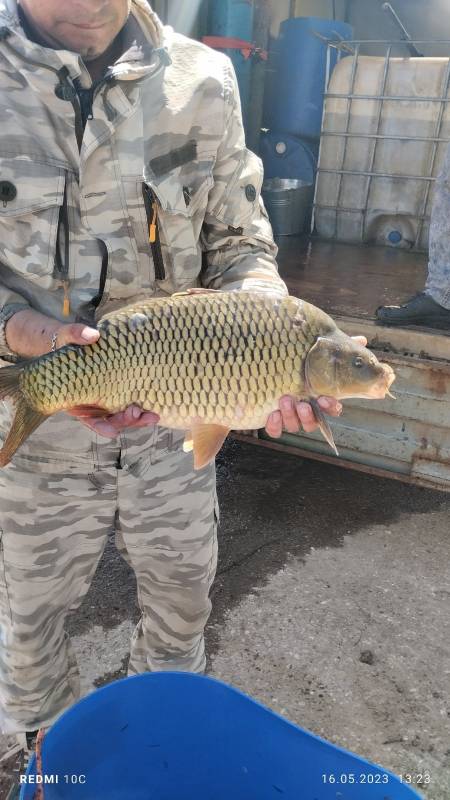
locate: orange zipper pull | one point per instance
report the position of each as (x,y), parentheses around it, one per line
(66,303)
(152,227)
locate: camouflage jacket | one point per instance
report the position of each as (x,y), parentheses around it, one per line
(152,192)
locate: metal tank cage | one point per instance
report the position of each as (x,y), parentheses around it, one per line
(353,49)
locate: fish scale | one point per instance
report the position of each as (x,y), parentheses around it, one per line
(204,361)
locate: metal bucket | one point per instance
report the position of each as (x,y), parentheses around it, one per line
(289,205)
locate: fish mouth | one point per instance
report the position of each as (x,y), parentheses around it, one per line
(381,388)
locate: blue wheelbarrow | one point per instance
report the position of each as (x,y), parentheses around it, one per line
(178,736)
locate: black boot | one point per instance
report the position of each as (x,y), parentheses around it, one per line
(420,310)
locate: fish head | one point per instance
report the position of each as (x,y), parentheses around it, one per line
(340,367)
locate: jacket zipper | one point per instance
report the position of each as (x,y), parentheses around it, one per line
(151,210)
(66,90)
(95,302)
(62,265)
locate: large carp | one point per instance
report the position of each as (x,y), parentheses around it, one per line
(206,362)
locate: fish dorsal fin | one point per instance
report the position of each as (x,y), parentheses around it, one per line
(324,426)
(195,291)
(206,442)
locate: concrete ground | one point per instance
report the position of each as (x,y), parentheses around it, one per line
(331,606)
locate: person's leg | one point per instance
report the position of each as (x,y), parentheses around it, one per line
(432,307)
(438,282)
(53,528)
(168,527)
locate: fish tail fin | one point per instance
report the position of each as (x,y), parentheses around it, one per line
(26,418)
(324,425)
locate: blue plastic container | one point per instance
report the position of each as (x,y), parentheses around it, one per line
(299,57)
(287,157)
(178,736)
(234,18)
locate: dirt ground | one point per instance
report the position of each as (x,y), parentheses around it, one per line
(331,605)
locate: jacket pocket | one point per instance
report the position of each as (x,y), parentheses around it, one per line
(182,199)
(31,196)
(237,201)
(167,211)
(184,191)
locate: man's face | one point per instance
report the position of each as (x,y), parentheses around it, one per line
(86,27)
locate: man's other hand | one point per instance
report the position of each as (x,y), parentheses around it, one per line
(294,416)
(111,425)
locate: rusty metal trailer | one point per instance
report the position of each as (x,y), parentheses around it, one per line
(407,439)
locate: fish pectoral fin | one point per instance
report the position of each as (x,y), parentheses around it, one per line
(207,441)
(324,425)
(88,412)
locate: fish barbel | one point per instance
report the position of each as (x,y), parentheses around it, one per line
(206,362)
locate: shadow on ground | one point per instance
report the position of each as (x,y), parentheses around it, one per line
(273,507)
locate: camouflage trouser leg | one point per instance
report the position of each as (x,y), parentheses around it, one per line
(166,530)
(53,528)
(438,283)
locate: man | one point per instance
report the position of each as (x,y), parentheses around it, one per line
(431,308)
(124,174)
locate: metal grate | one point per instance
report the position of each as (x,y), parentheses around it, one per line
(352,50)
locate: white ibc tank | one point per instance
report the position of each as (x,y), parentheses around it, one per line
(381,151)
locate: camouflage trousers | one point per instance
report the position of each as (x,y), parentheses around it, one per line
(438,283)
(56,509)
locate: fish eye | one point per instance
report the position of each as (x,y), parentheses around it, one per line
(358,362)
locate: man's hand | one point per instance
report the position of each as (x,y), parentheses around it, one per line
(295,415)
(112,424)
(30,334)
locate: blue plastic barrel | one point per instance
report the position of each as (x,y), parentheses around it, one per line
(234,18)
(287,157)
(178,736)
(299,57)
